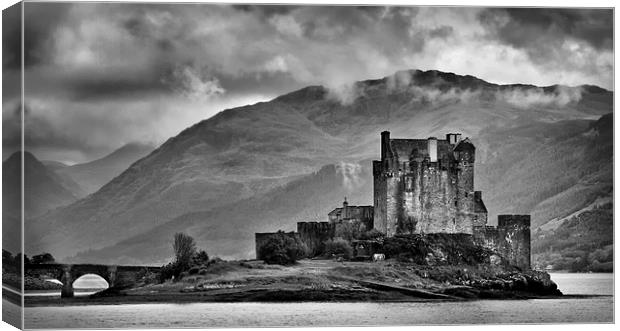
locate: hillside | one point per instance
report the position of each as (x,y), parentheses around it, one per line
(220,178)
(313,196)
(91,176)
(43,191)
(308,198)
(583,242)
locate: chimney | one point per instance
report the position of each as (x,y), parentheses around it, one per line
(385,144)
(458,138)
(432,149)
(451,138)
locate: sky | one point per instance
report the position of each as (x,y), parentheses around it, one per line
(101,75)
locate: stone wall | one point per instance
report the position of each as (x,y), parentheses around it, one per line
(480,210)
(314,235)
(514,239)
(393,204)
(380,198)
(486,236)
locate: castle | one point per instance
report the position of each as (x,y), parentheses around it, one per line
(424,186)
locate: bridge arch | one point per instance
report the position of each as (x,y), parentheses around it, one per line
(73,272)
(91,282)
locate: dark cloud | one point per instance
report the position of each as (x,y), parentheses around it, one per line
(102,74)
(593,26)
(527,27)
(41,20)
(11,37)
(265,10)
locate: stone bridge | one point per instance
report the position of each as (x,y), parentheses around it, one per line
(116,276)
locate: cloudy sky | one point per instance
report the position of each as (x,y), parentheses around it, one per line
(100,75)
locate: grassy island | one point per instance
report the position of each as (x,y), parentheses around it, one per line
(330,280)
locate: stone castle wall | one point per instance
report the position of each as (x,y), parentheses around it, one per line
(486,236)
(315,234)
(514,239)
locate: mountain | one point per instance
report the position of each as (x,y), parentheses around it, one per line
(53,165)
(549,146)
(93,175)
(249,168)
(43,191)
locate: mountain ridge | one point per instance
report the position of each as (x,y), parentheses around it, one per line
(92,175)
(248,151)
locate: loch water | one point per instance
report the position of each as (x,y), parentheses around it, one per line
(567,310)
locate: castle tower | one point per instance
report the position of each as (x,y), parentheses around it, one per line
(514,239)
(426,186)
(464,156)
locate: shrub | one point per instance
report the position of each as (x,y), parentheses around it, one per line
(170,270)
(200,258)
(215,260)
(339,246)
(193,270)
(283,249)
(42,258)
(373,234)
(438,248)
(349,230)
(147,276)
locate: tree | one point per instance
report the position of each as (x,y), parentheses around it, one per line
(184,248)
(42,258)
(282,249)
(6,256)
(339,246)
